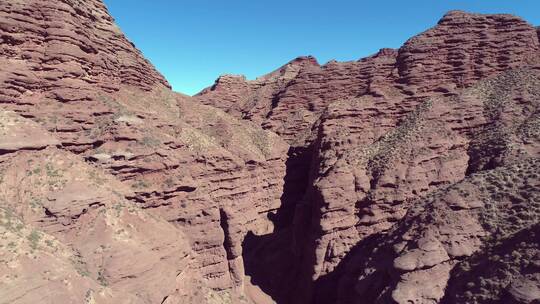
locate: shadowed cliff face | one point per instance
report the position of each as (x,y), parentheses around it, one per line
(394,178)
(385,131)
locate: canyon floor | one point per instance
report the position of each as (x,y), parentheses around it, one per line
(409,176)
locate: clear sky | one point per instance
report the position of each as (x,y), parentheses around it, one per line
(192,42)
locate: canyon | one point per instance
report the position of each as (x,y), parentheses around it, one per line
(410,176)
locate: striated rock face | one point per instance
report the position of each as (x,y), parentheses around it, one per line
(410,176)
(369,189)
(74,44)
(289,100)
(60,58)
(69,235)
(436,145)
(382,133)
(200,179)
(461,49)
(445,249)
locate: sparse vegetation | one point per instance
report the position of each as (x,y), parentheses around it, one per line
(377,156)
(96,178)
(169,182)
(34,238)
(89,297)
(102,279)
(35,203)
(9,220)
(507,207)
(150,141)
(80,266)
(140,184)
(262,141)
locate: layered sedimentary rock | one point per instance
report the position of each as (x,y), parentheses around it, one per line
(289,100)
(461,49)
(440,251)
(510,97)
(372,187)
(70,42)
(388,133)
(59,59)
(69,69)
(407,176)
(69,235)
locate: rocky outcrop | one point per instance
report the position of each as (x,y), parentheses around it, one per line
(289,100)
(207,178)
(20,134)
(461,49)
(67,230)
(440,251)
(73,44)
(332,109)
(59,59)
(366,190)
(464,48)
(124,241)
(390,178)
(379,145)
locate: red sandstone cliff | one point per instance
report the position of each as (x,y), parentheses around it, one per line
(384,132)
(205,178)
(407,176)
(461,49)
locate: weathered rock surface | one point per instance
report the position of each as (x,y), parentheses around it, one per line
(442,253)
(461,49)
(289,100)
(407,176)
(207,178)
(365,191)
(69,235)
(411,124)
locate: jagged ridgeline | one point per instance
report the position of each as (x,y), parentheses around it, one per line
(410,176)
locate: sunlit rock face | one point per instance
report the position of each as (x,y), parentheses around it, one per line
(148,194)
(382,133)
(410,176)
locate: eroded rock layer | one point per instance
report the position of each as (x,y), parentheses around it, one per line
(369,189)
(207,178)
(407,176)
(388,130)
(456,245)
(461,49)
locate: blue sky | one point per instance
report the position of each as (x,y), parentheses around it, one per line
(192,42)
